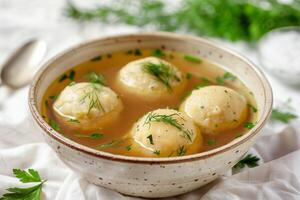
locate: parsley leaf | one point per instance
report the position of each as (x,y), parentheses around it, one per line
(54,125)
(211,142)
(192,59)
(93,77)
(30,193)
(249,125)
(250,160)
(27,177)
(226,76)
(158,53)
(156,152)
(150,139)
(284,117)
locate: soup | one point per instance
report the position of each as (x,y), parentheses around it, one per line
(149,103)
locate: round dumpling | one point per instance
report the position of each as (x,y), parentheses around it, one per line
(216,108)
(151,78)
(166,132)
(87,106)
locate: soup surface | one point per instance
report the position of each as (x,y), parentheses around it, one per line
(115,137)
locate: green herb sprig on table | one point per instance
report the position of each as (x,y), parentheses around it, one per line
(228,19)
(281,116)
(249,160)
(30,193)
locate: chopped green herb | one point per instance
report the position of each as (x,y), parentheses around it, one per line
(158,53)
(74,121)
(30,193)
(205,82)
(129,52)
(150,139)
(226,76)
(168,119)
(238,135)
(129,147)
(185,95)
(249,125)
(192,59)
(250,160)
(96,78)
(111,144)
(53,97)
(211,142)
(97,58)
(46,103)
(189,76)
(72,75)
(281,116)
(63,77)
(91,136)
(157,152)
(254,109)
(137,52)
(163,72)
(181,151)
(54,125)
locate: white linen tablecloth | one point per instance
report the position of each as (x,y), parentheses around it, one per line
(277,176)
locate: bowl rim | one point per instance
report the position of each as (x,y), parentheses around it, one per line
(268,102)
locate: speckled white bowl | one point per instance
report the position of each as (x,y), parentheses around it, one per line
(150,177)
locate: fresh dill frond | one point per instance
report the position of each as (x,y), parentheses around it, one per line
(74,121)
(162,72)
(168,119)
(111,144)
(91,136)
(181,151)
(92,96)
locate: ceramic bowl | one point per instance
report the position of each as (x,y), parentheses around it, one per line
(150,177)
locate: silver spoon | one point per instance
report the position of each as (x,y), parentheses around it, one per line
(19,69)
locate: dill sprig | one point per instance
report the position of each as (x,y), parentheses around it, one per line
(162,72)
(92,96)
(168,119)
(181,151)
(248,20)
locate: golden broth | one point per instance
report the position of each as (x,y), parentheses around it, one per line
(109,65)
